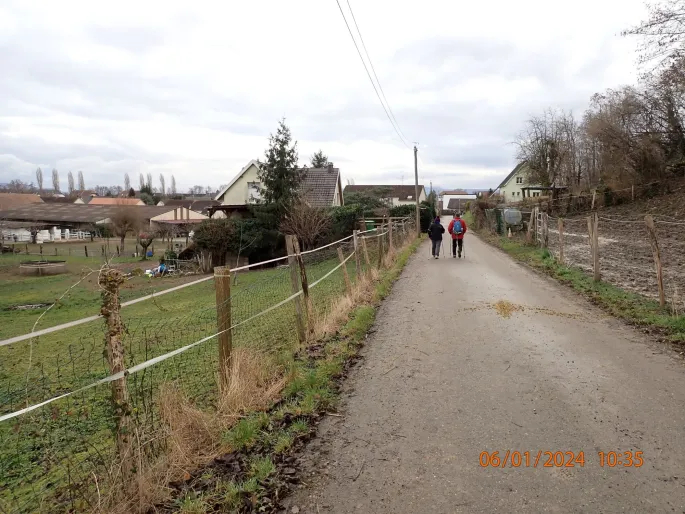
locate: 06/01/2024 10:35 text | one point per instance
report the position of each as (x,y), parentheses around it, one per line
(558,459)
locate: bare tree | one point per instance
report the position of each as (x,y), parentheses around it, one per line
(55,180)
(17,186)
(70,182)
(141,180)
(305,222)
(663,34)
(243,244)
(173,185)
(126,218)
(145,239)
(127,182)
(162,185)
(148,183)
(81,182)
(39,179)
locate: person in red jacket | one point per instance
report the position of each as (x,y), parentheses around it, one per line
(457,228)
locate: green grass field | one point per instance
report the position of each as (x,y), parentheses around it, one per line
(51,453)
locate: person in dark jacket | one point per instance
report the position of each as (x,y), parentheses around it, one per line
(435,232)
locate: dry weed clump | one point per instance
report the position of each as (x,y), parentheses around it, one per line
(330,321)
(192,435)
(505,308)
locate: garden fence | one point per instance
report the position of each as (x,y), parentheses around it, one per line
(79,403)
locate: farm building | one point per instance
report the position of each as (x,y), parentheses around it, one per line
(12,200)
(62,222)
(459,195)
(202,205)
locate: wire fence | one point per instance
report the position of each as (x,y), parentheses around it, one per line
(63,416)
(626,248)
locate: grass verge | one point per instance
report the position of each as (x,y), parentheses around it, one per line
(259,468)
(631,307)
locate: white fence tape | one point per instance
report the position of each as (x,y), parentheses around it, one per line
(161,358)
(81,321)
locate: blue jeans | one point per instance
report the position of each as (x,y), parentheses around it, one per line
(436,247)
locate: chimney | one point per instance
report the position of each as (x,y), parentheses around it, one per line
(330,166)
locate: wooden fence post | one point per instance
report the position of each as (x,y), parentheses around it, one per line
(86,248)
(380,247)
(531,226)
(357,256)
(110,281)
(295,281)
(560,226)
(390,241)
(366,254)
(305,287)
(348,284)
(545,230)
(594,194)
(41,250)
(222,287)
(593,232)
(651,230)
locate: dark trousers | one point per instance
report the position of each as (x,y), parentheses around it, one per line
(436,247)
(456,242)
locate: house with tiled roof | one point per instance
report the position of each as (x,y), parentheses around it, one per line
(321,187)
(101,200)
(12,200)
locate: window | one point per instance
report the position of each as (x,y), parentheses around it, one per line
(518,193)
(536,194)
(513,193)
(254,192)
(410,198)
(519,180)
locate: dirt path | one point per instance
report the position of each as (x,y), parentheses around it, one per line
(447,375)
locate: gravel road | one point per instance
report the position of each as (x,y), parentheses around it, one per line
(481,354)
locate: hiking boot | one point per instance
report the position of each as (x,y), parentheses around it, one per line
(460,255)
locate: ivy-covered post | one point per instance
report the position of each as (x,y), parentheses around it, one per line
(110,281)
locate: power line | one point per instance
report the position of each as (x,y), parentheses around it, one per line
(361,38)
(369,75)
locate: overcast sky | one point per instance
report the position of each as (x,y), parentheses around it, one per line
(194,88)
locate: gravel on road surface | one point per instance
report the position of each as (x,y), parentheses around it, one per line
(481,354)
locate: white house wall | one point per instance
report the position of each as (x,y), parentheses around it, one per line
(237,194)
(464,198)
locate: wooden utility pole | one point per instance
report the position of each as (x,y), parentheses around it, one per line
(651,230)
(416,190)
(560,225)
(295,281)
(222,286)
